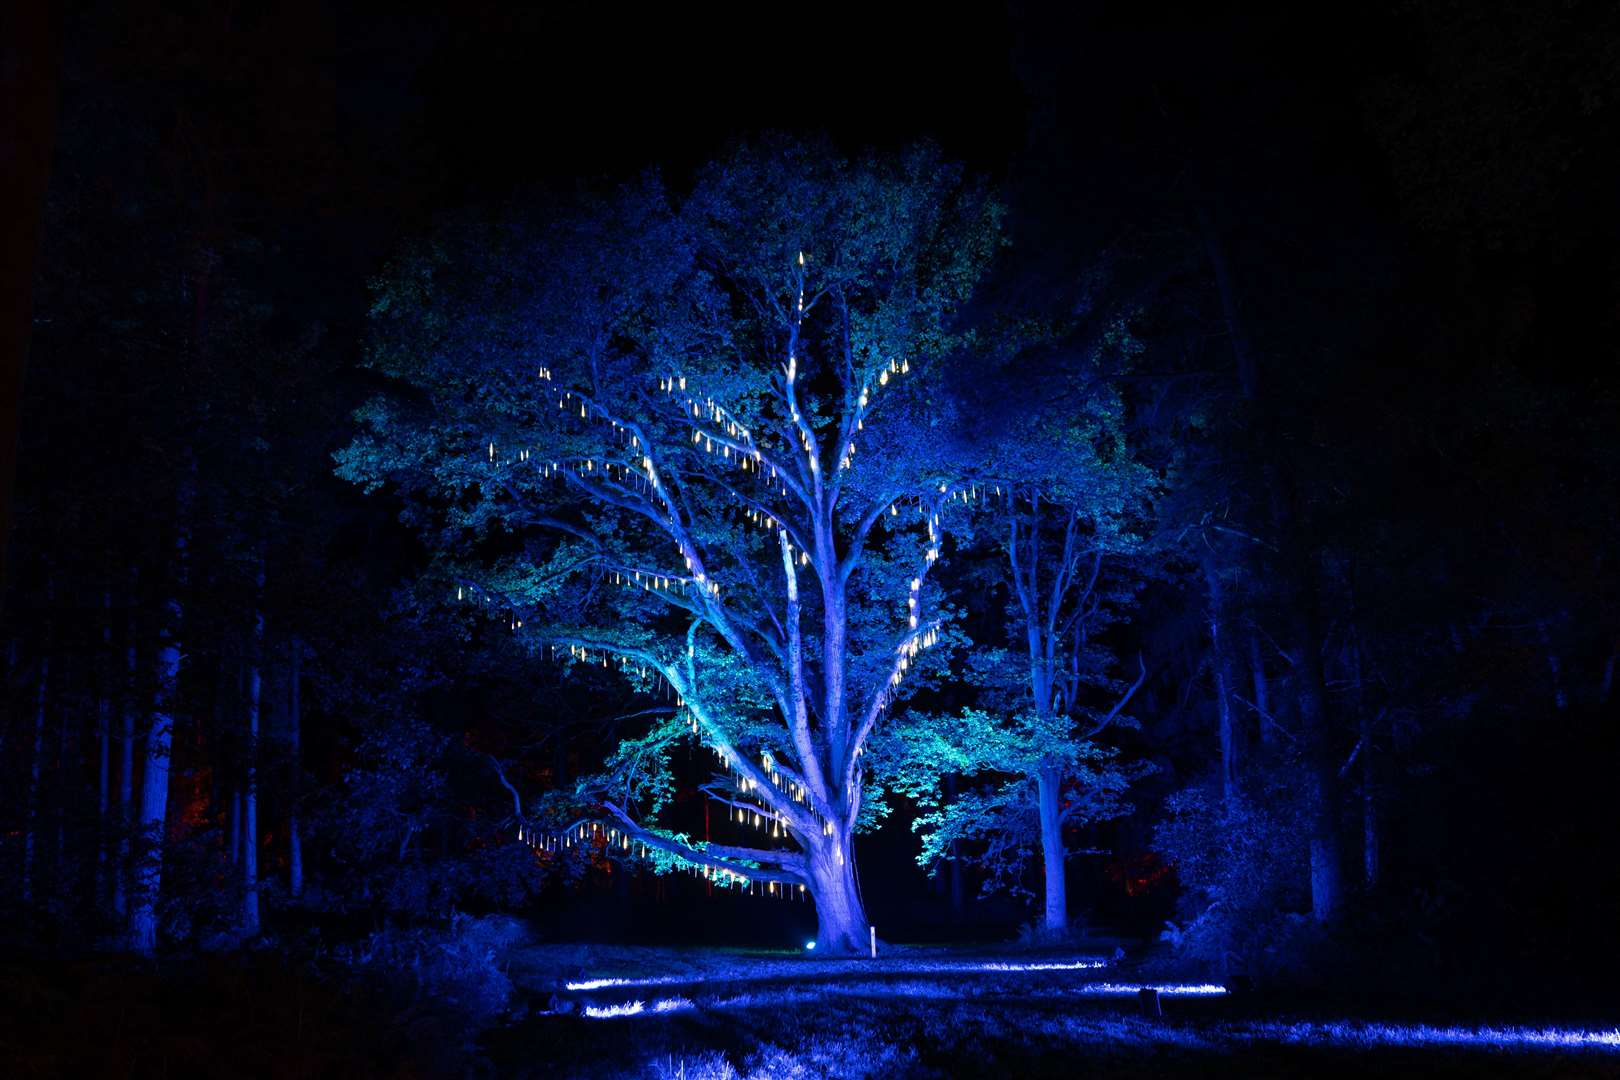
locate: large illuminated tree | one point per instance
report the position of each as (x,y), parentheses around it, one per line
(707,445)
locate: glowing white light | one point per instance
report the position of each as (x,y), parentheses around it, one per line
(810,946)
(598,984)
(1109,989)
(1425,1035)
(1079,965)
(636,1008)
(909,967)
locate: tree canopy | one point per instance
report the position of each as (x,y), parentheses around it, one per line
(707,441)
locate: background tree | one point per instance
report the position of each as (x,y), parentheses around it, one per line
(1071,512)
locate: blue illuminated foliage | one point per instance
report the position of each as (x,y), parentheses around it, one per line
(705,446)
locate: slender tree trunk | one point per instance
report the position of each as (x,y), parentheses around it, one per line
(953,866)
(1606,683)
(1048,785)
(154,809)
(126,763)
(31,825)
(1281,481)
(104,747)
(64,788)
(1231,308)
(1555,668)
(1262,691)
(1365,724)
(235,841)
(9,689)
(1223,684)
(295,845)
(1321,805)
(1369,807)
(250,799)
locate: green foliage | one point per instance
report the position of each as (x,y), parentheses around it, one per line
(996,814)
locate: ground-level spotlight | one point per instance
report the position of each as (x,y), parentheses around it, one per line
(809,946)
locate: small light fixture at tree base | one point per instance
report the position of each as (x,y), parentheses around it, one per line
(810,946)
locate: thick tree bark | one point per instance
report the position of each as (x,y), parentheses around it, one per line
(841,926)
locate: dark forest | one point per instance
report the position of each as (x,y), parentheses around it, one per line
(1032,539)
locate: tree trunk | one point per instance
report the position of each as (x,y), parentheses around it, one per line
(1262,691)
(1365,724)
(1223,684)
(1555,669)
(31,824)
(1369,807)
(154,811)
(236,827)
(250,797)
(126,766)
(953,866)
(1048,783)
(1321,805)
(841,926)
(104,747)
(295,846)
(8,688)
(65,885)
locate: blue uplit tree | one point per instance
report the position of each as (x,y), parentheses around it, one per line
(1069,523)
(708,445)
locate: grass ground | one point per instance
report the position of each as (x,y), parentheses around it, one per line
(717,1015)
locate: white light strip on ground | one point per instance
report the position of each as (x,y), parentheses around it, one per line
(1346,1032)
(791,969)
(1109,989)
(636,1008)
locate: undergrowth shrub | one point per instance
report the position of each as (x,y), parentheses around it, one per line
(458,969)
(1244,867)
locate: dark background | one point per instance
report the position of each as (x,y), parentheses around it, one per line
(1418,197)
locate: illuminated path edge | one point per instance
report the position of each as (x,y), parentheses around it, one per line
(853,967)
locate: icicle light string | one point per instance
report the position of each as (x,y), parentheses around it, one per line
(747,455)
(611,839)
(735,445)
